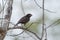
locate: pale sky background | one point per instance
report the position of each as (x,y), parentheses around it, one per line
(31,7)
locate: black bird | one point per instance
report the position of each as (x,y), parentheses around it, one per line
(24,19)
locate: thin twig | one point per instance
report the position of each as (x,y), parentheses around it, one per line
(24,14)
(42,20)
(3,12)
(16,34)
(53,24)
(42,7)
(29,26)
(34,34)
(30,35)
(22,7)
(3,7)
(26,30)
(22,31)
(45,33)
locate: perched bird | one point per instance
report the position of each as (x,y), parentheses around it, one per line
(24,19)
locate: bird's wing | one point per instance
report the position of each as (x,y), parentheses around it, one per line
(24,19)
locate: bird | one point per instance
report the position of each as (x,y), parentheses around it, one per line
(25,19)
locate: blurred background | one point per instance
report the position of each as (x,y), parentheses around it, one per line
(29,6)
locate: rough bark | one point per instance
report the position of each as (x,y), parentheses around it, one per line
(8,11)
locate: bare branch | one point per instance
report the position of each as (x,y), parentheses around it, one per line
(53,24)
(3,6)
(30,35)
(42,21)
(29,26)
(22,7)
(3,12)
(22,31)
(16,34)
(26,30)
(45,33)
(2,18)
(42,7)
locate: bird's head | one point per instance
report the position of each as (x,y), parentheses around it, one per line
(29,15)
